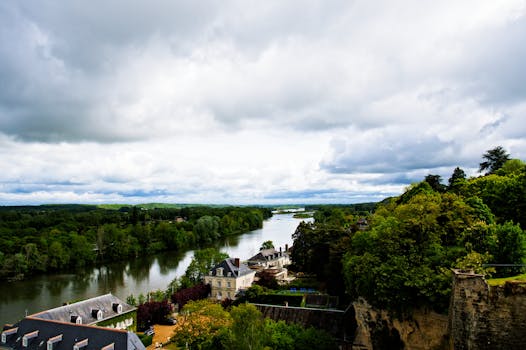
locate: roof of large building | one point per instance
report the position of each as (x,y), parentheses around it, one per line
(231,268)
(64,336)
(90,311)
(266,254)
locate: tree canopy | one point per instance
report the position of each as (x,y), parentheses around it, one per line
(35,239)
(494,159)
(403,257)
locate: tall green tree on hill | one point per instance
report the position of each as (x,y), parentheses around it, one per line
(494,159)
(457,179)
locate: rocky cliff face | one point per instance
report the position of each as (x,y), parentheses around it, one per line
(486,317)
(377,329)
(481,317)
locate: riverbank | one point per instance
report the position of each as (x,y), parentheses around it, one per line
(135,276)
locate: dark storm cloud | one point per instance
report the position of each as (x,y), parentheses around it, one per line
(56,60)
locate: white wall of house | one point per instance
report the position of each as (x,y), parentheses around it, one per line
(227,286)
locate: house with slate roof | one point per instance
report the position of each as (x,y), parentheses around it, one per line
(229,277)
(33,333)
(105,311)
(270,258)
(101,323)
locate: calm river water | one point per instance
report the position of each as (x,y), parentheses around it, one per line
(132,277)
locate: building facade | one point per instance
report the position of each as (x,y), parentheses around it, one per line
(229,277)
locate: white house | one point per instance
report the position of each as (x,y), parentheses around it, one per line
(270,258)
(228,277)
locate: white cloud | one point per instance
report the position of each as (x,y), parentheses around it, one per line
(307,101)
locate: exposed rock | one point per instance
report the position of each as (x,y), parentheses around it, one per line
(378,329)
(486,317)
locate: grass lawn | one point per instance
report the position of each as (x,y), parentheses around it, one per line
(501,281)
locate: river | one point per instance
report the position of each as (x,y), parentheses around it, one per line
(129,277)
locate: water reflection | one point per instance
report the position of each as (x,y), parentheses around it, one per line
(140,268)
(55,286)
(137,276)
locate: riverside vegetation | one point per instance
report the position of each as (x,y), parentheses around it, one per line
(36,239)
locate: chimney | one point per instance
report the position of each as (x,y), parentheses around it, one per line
(286,247)
(280,250)
(236,262)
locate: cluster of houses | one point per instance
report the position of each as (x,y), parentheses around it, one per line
(107,323)
(232,276)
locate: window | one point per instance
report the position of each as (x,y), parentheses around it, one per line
(52,341)
(109,347)
(117,307)
(8,332)
(95,313)
(27,337)
(219,284)
(80,344)
(228,285)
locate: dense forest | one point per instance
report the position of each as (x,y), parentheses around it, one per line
(401,255)
(36,239)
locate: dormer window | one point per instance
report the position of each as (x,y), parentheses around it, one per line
(52,341)
(108,347)
(219,271)
(229,274)
(117,307)
(96,313)
(76,319)
(7,333)
(27,337)
(80,344)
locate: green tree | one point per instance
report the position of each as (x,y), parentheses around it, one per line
(35,260)
(404,259)
(58,256)
(511,248)
(130,299)
(207,228)
(267,245)
(457,179)
(511,167)
(202,263)
(247,330)
(435,181)
(199,324)
(494,159)
(81,251)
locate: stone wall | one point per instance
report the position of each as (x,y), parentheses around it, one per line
(378,329)
(339,323)
(486,317)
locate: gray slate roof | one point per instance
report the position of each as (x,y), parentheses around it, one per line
(266,254)
(98,337)
(229,265)
(263,254)
(84,309)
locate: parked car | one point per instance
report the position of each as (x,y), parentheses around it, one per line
(170,321)
(149,331)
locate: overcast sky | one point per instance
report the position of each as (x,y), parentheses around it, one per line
(245,102)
